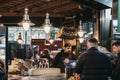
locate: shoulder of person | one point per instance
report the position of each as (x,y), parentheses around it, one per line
(82,54)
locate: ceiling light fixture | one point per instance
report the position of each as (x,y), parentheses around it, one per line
(19,40)
(81,32)
(47,25)
(51,40)
(26,23)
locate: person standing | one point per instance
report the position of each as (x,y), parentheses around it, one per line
(116,71)
(63,57)
(93,64)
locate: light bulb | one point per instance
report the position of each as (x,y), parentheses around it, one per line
(26,25)
(47,28)
(51,41)
(81,40)
(81,33)
(19,41)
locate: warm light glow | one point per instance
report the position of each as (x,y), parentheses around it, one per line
(81,33)
(26,25)
(81,40)
(19,40)
(51,41)
(47,28)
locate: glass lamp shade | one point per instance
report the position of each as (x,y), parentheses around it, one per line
(26,25)
(19,40)
(51,41)
(47,28)
(80,33)
(81,40)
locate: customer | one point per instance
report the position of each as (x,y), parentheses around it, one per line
(116,71)
(63,57)
(93,65)
(46,54)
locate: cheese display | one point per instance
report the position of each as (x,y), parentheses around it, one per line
(40,71)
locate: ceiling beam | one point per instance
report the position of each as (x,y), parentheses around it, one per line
(7,3)
(29,3)
(66,8)
(13,14)
(51,5)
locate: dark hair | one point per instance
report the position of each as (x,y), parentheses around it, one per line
(116,44)
(93,40)
(67,45)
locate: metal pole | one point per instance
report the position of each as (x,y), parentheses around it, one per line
(25,37)
(118,15)
(25,43)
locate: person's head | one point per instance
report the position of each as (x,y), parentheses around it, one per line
(45,52)
(67,47)
(36,49)
(92,42)
(116,47)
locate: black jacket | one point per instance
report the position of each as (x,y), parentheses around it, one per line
(116,71)
(58,61)
(94,65)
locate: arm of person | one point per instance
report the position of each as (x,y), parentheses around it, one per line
(79,65)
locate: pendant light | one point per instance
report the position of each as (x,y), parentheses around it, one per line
(19,40)
(51,40)
(26,23)
(47,25)
(81,32)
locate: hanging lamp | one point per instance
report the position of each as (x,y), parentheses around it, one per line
(81,32)
(19,39)
(26,23)
(51,40)
(47,26)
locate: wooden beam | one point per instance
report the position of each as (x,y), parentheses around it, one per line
(29,3)
(66,8)
(6,3)
(13,14)
(51,5)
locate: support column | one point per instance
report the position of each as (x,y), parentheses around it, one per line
(118,15)
(105,32)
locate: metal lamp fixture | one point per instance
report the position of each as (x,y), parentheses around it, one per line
(19,40)
(81,40)
(81,32)
(26,23)
(51,40)
(47,25)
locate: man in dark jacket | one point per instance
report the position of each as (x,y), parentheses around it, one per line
(63,57)
(93,65)
(116,71)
